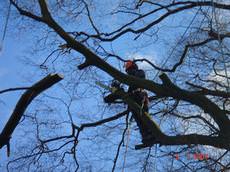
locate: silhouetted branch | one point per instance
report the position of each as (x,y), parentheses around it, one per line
(23,103)
(14,89)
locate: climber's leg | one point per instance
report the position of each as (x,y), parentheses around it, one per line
(146,134)
(111,98)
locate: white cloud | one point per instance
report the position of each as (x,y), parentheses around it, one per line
(144,65)
(221,77)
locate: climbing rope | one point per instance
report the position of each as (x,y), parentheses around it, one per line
(182,37)
(5,27)
(127,144)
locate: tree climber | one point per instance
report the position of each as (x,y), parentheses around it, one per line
(140,96)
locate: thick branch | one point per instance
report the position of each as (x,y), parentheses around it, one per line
(44,9)
(24,102)
(83,65)
(191,139)
(206,91)
(201,101)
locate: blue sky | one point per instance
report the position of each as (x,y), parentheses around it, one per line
(13,73)
(11,70)
(10,77)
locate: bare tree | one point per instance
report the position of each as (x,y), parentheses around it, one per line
(189,101)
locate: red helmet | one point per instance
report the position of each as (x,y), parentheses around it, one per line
(130,64)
